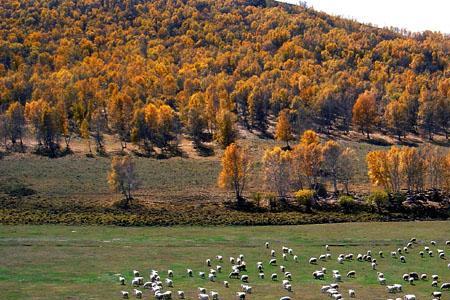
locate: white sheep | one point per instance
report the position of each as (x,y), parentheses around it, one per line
(318,275)
(423,276)
(402,259)
(267,245)
(240,295)
(291,251)
(135,282)
(351,273)
(296,259)
(435,277)
(351,293)
(170,273)
(203,296)
(337,277)
(219,257)
(214,295)
(246,288)
(325,288)
(272,253)
(391,289)
(181,295)
(274,276)
(211,277)
(189,272)
(169,282)
(208,262)
(273,262)
(244,278)
(434,283)
(261,275)
(382,280)
(313,260)
(323,257)
(409,297)
(241,256)
(201,275)
(226,284)
(285,298)
(433,243)
(284,256)
(138,294)
(125,294)
(219,269)
(202,290)
(232,260)
(374,266)
(288,287)
(122,280)
(282,268)
(445,286)
(135,273)
(436,294)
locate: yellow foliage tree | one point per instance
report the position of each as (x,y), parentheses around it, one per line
(283,130)
(365,112)
(235,170)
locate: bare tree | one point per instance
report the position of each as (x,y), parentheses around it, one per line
(122,177)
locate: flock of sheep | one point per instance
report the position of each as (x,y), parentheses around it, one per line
(160,288)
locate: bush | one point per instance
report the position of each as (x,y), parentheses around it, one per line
(305,198)
(379,199)
(321,190)
(347,203)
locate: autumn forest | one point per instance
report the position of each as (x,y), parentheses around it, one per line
(151,72)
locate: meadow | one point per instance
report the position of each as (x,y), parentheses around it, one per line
(82,262)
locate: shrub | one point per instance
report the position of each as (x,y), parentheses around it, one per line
(379,199)
(305,198)
(347,203)
(320,189)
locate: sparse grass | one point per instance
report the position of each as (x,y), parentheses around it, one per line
(62,262)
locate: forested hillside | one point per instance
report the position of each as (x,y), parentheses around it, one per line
(146,70)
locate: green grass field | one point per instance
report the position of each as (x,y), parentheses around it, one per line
(67,262)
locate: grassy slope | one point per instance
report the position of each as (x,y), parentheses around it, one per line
(78,180)
(55,262)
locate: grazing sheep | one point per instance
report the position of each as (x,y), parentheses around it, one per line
(435,277)
(138,294)
(290,251)
(267,245)
(423,276)
(442,255)
(203,296)
(201,275)
(405,249)
(169,282)
(288,275)
(219,269)
(125,294)
(409,297)
(313,260)
(327,248)
(351,293)
(413,240)
(411,280)
(318,275)
(433,243)
(436,294)
(282,269)
(241,257)
(219,257)
(414,275)
(374,266)
(402,259)
(394,254)
(447,243)
(170,273)
(189,272)
(430,253)
(226,284)
(323,257)
(274,277)
(180,294)
(409,245)
(234,274)
(273,262)
(351,274)
(261,275)
(399,250)
(434,283)
(135,273)
(208,262)
(324,270)
(232,260)
(398,287)
(122,280)
(284,249)
(325,288)
(272,253)
(246,288)
(284,256)
(214,295)
(135,282)
(380,253)
(382,280)
(445,286)
(296,259)
(427,249)
(288,287)
(421,254)
(244,278)
(240,295)
(359,257)
(328,256)
(405,277)
(211,277)
(337,277)
(391,289)
(202,290)
(285,298)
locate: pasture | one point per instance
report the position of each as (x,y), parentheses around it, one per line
(74,262)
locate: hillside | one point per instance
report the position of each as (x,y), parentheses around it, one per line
(172,82)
